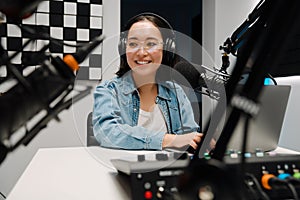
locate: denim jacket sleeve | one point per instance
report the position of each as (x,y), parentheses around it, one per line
(114,128)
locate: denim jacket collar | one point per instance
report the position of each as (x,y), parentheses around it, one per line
(128,85)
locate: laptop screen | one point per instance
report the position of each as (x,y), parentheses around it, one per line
(264,129)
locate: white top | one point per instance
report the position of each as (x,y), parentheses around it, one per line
(153,120)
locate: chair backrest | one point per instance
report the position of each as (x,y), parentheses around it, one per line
(90,139)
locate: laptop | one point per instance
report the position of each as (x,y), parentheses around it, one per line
(265,128)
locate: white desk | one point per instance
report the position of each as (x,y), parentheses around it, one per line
(70,174)
(74,173)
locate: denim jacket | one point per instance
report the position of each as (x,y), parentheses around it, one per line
(116,112)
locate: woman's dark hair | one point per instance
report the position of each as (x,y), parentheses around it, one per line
(169,56)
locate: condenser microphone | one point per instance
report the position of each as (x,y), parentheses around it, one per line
(191,74)
(20,104)
(74,59)
(85,50)
(45,89)
(197,76)
(22,101)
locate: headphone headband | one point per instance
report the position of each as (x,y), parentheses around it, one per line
(154,15)
(169,43)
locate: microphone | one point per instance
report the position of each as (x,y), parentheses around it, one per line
(19,104)
(45,89)
(197,77)
(191,74)
(83,52)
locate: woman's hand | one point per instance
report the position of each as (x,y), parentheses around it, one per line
(182,141)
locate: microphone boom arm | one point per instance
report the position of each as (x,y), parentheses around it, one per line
(236,40)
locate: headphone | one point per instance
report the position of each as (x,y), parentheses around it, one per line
(169,43)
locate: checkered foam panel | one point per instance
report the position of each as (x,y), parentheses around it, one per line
(73,21)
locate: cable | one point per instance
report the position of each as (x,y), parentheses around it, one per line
(250,183)
(263,195)
(178,107)
(270,180)
(293,190)
(2,195)
(290,181)
(272,78)
(190,149)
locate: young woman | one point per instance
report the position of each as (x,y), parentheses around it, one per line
(139,109)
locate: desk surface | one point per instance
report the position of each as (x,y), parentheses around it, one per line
(70,173)
(75,173)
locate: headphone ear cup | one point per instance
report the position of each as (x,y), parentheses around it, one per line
(122,44)
(170,48)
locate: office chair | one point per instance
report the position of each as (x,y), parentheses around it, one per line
(90,139)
